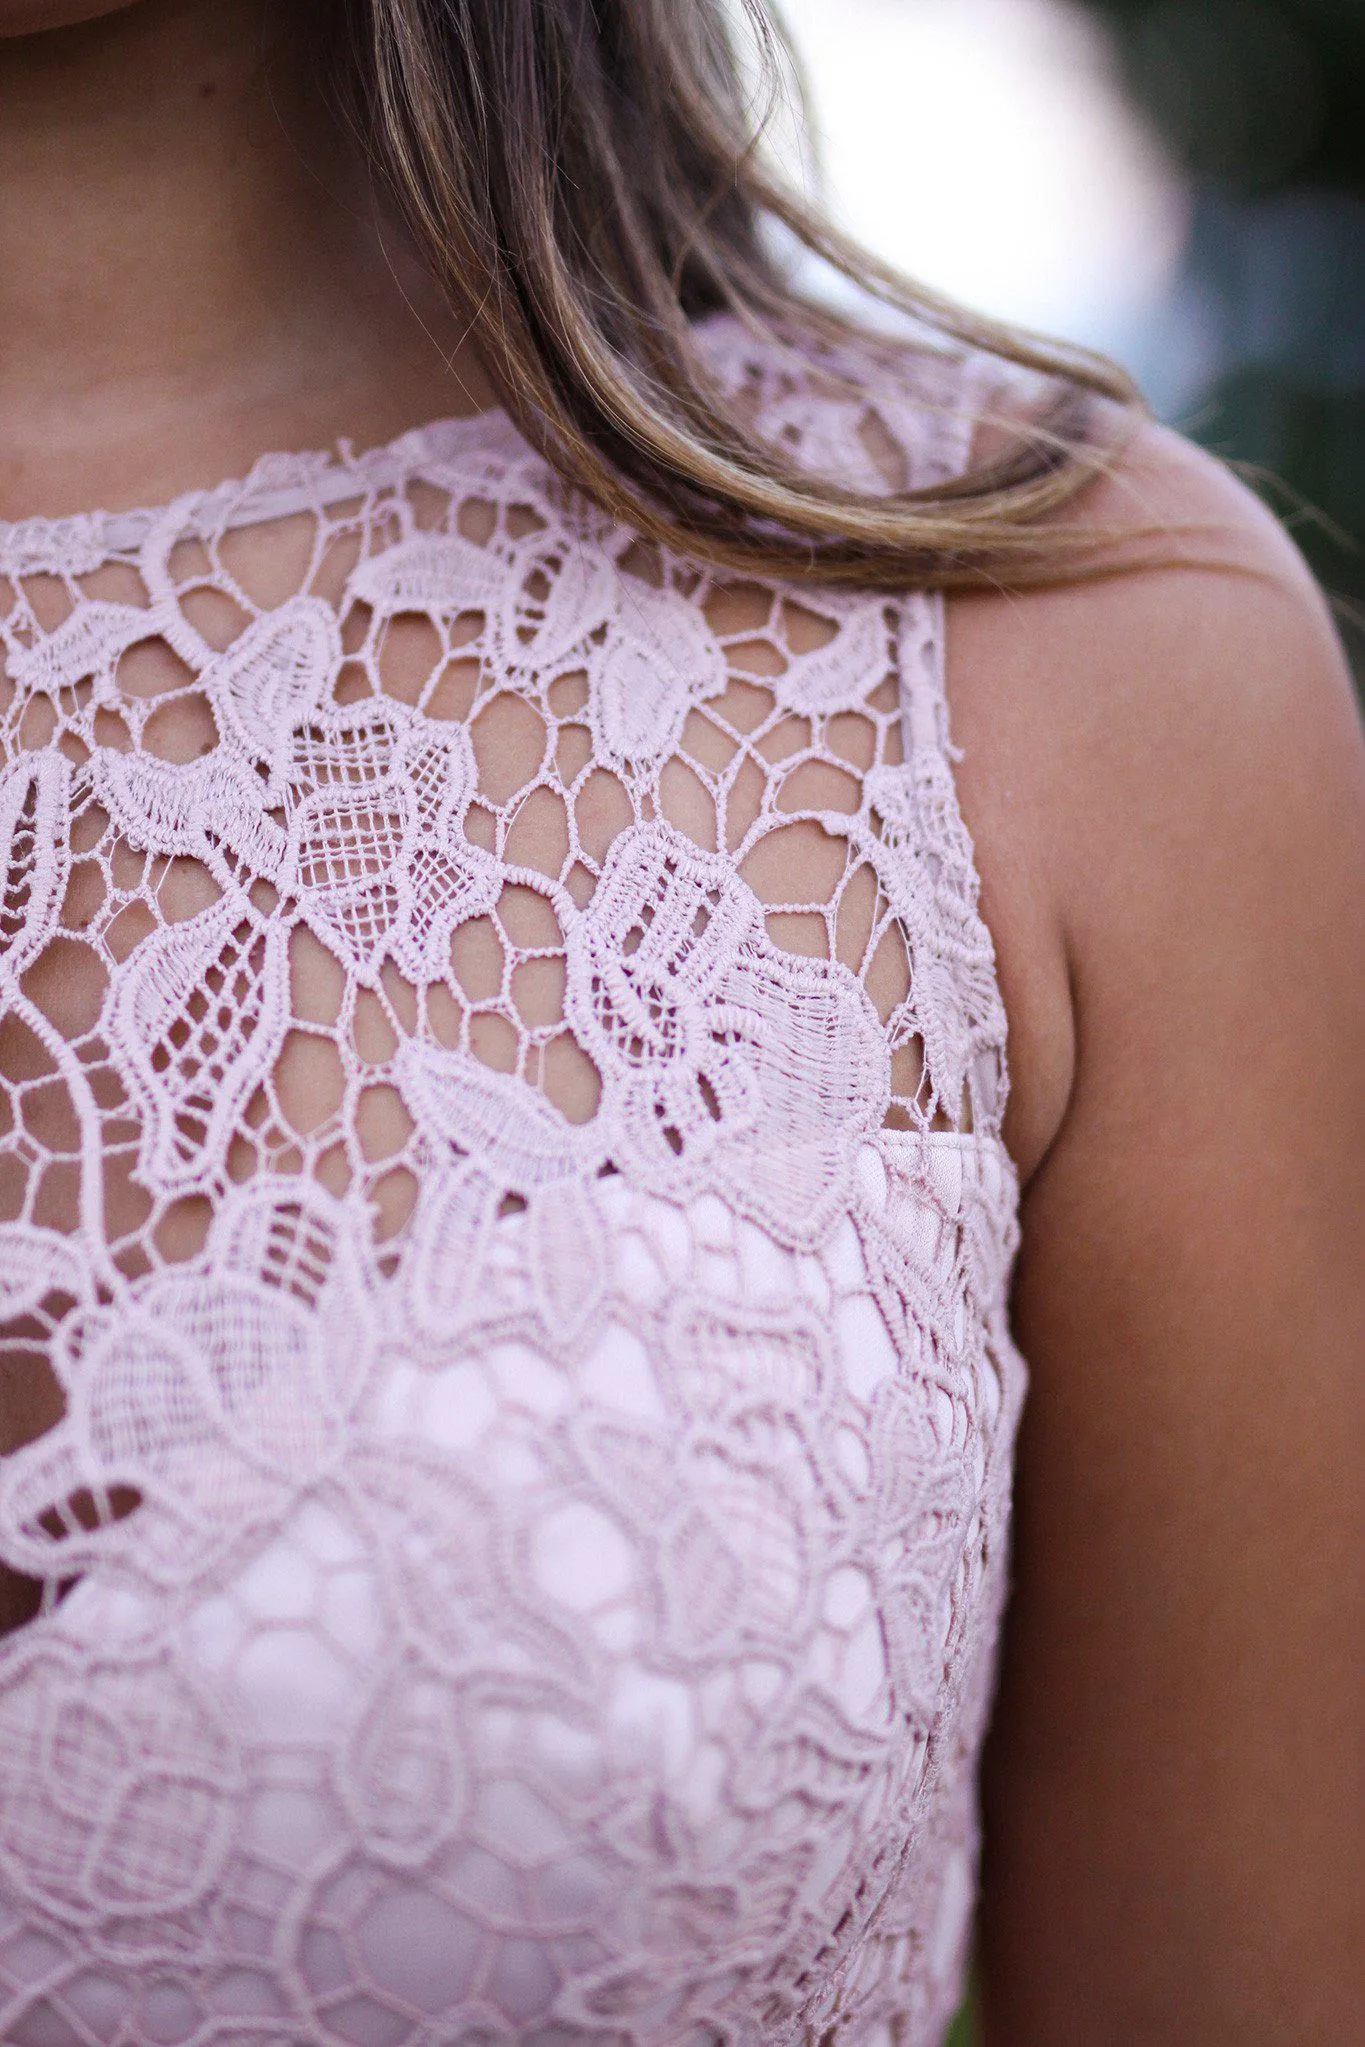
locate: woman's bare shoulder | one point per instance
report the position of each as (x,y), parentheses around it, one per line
(1122,735)
(1202,605)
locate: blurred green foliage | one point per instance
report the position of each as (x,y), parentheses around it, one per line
(963,2030)
(1250,93)
(1263,101)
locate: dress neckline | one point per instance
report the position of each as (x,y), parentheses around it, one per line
(277,485)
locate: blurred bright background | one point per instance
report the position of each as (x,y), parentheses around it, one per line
(1178,182)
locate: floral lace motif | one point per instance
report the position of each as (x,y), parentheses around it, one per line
(501,1195)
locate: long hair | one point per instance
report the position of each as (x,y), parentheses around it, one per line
(586,179)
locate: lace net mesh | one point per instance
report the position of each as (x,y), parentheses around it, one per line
(503,1237)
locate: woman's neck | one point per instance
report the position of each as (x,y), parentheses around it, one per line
(192,265)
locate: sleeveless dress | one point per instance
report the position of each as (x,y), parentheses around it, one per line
(500,1184)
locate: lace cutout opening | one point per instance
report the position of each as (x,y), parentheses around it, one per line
(32,1405)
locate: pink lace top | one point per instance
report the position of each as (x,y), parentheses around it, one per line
(500,1187)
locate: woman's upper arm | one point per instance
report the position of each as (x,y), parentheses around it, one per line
(1173,1788)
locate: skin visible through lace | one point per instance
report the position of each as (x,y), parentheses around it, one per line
(496,1284)
(748,779)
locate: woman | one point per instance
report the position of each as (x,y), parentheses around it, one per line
(507,1183)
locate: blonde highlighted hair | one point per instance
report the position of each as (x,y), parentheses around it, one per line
(585,178)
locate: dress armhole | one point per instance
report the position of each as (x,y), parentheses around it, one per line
(969,1000)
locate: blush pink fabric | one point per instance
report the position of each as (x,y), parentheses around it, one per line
(499,1149)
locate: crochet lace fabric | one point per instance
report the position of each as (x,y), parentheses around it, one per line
(501,1204)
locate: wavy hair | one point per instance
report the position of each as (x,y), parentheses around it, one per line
(587,180)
